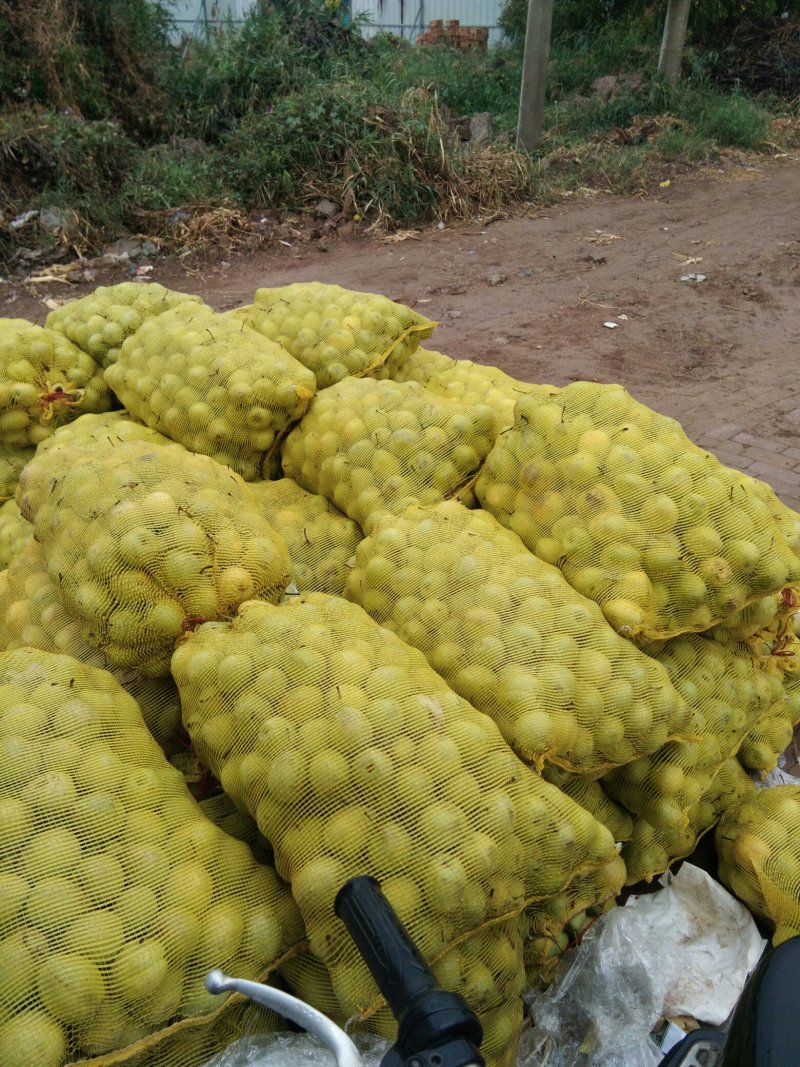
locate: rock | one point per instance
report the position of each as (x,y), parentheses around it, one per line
(326,209)
(496,278)
(324,244)
(606,87)
(482,130)
(611,85)
(149,248)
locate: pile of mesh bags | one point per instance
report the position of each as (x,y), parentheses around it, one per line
(504,647)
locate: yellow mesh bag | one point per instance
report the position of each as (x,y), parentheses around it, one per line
(730,694)
(14,531)
(12,460)
(590,795)
(758,845)
(145,541)
(118,895)
(99,322)
(222,811)
(378,446)
(550,928)
(650,852)
(664,537)
(321,540)
(761,620)
(335,332)
(193,1041)
(770,737)
(212,384)
(487,968)
(354,757)
(459,379)
(791,689)
(509,634)
(32,616)
(45,380)
(100,433)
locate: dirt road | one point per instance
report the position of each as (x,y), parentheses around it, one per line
(532,295)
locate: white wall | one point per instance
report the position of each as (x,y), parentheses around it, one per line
(407,18)
(192,16)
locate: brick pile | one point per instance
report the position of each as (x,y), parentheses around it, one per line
(452,33)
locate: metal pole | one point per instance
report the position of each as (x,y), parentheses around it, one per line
(534,74)
(675,23)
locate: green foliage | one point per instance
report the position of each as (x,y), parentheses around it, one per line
(102,115)
(103,59)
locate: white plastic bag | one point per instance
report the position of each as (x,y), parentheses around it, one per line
(684,950)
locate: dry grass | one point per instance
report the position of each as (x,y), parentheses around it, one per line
(207,228)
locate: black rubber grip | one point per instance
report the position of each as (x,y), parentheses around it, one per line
(394,960)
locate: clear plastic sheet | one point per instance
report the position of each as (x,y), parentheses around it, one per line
(293,1050)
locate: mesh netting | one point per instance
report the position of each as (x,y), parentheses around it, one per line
(147,540)
(212,384)
(321,540)
(100,433)
(791,689)
(222,811)
(510,635)
(356,758)
(99,322)
(193,1041)
(770,737)
(335,332)
(730,694)
(118,895)
(760,620)
(664,537)
(12,460)
(758,844)
(649,852)
(45,380)
(459,379)
(378,446)
(33,616)
(590,795)
(552,927)
(14,531)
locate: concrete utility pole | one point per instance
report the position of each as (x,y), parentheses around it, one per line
(669,62)
(534,74)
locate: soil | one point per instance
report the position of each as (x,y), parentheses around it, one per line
(534,295)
